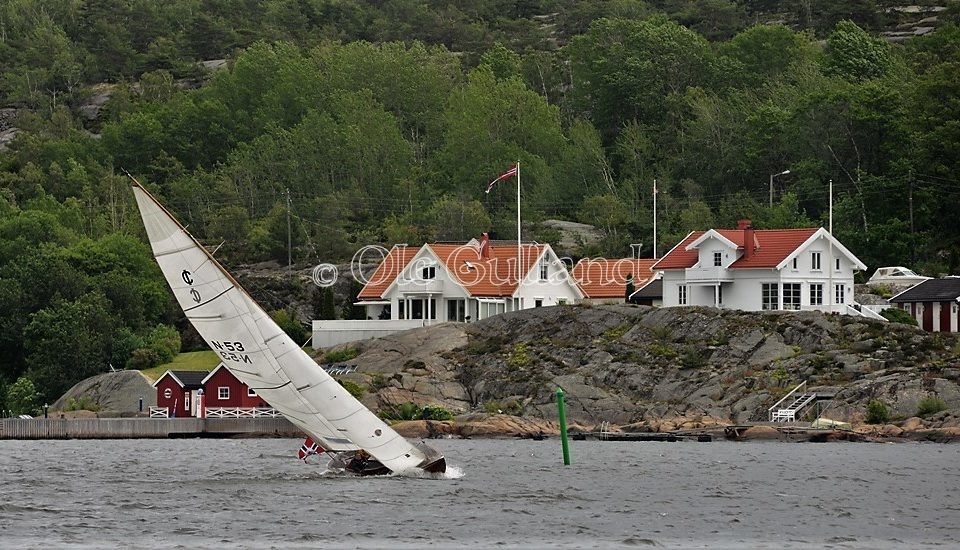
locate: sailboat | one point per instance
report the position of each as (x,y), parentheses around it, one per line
(257,351)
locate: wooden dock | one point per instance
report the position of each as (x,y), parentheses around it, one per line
(144,428)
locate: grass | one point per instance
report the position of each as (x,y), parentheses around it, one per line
(191,360)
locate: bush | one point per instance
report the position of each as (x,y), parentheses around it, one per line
(435,412)
(877,412)
(897,315)
(930,405)
(338,356)
(403,411)
(82,403)
(355,389)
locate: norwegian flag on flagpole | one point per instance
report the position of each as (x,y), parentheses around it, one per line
(509,173)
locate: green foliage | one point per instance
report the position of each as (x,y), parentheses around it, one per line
(436,412)
(23,397)
(403,411)
(340,355)
(355,389)
(662,350)
(897,315)
(877,412)
(519,356)
(930,405)
(82,403)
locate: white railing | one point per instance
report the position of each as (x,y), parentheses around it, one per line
(857,309)
(772,409)
(159,412)
(241,412)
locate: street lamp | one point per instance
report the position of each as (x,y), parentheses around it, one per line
(771,184)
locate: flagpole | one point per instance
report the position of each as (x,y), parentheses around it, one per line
(654,218)
(519,247)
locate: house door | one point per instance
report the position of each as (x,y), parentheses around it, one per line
(927,323)
(945,314)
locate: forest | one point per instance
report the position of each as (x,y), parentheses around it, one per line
(382,122)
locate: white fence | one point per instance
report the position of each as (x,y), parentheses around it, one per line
(241,412)
(224,412)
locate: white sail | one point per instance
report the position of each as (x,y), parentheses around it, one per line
(259,353)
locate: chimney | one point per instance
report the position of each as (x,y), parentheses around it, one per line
(748,237)
(484,246)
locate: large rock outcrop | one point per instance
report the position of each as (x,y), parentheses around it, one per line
(646,367)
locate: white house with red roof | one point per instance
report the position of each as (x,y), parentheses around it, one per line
(603,280)
(460,282)
(755,270)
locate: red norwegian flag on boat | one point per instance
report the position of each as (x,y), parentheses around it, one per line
(508,174)
(308,449)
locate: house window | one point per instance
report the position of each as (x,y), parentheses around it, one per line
(816,294)
(251,392)
(771,296)
(186,400)
(561,301)
(838,264)
(544,268)
(682,295)
(838,294)
(717,259)
(538,302)
(167,393)
(429,273)
(223,393)
(815,261)
(794,264)
(791,295)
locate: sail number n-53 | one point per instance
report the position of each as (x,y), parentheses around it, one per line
(231,351)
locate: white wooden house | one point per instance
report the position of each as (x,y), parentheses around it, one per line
(459,282)
(755,270)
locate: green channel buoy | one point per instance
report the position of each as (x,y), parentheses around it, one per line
(563,427)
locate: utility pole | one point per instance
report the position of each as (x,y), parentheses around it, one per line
(289,235)
(913,248)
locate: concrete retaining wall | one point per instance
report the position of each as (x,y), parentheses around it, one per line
(144,428)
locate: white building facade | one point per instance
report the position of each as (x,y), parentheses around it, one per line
(751,270)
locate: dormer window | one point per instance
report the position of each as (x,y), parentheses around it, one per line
(815,261)
(544,269)
(794,264)
(838,264)
(428,273)
(717,259)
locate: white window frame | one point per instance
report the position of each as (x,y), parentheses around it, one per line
(837,263)
(816,294)
(429,272)
(769,296)
(717,258)
(223,393)
(839,293)
(794,263)
(682,295)
(167,393)
(544,269)
(815,261)
(793,291)
(251,392)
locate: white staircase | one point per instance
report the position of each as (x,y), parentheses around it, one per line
(788,413)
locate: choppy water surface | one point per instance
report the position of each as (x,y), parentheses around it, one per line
(255,493)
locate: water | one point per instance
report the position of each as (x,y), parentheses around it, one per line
(255,493)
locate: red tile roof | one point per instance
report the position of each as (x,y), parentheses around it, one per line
(771,246)
(493,276)
(603,278)
(390,267)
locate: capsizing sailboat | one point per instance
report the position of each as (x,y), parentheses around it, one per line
(257,351)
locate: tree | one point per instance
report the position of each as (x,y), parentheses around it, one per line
(23,398)
(854,55)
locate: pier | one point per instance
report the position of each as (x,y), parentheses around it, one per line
(144,428)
